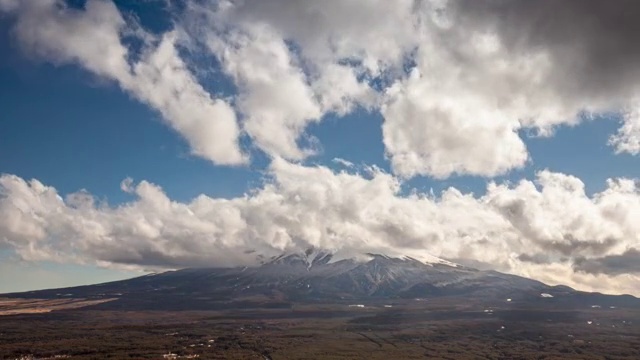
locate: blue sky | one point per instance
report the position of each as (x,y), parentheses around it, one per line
(73,128)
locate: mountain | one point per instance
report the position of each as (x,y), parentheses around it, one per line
(316,276)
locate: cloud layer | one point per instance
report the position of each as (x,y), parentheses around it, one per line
(548,229)
(457,82)
(93,38)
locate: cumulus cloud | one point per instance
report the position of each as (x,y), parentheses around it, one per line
(288,75)
(627,139)
(298,207)
(93,38)
(590,47)
(429,130)
(625,263)
(457,82)
(274,95)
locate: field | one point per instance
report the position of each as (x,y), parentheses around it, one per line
(434,329)
(35,306)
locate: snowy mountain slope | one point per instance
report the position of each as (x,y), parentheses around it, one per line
(321,276)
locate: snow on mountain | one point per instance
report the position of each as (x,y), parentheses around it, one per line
(314,256)
(317,275)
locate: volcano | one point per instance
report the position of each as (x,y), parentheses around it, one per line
(316,276)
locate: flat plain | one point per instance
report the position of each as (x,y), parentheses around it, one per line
(406,329)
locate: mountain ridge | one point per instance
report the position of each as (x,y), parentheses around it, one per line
(316,275)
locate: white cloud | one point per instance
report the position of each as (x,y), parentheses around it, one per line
(92,38)
(343,162)
(456,85)
(274,95)
(460,108)
(541,229)
(478,79)
(296,62)
(627,139)
(436,131)
(376,33)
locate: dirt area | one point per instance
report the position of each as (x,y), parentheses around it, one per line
(36,306)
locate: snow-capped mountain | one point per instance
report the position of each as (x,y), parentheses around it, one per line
(318,275)
(317,257)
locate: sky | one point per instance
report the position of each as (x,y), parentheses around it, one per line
(159,134)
